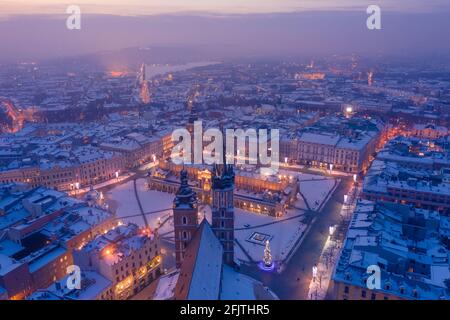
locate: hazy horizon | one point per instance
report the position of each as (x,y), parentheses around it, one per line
(146,7)
(315,32)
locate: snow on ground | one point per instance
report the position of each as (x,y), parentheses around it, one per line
(100,185)
(314,188)
(284,233)
(316,191)
(124,199)
(303,176)
(152,200)
(299,204)
(166,286)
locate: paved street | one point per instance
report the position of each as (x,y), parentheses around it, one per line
(293,282)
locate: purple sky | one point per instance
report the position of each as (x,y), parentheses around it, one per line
(405,32)
(139,7)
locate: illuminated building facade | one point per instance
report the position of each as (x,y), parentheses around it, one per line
(254,192)
(127,256)
(342,144)
(40,229)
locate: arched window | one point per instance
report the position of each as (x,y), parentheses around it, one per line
(184,220)
(185,235)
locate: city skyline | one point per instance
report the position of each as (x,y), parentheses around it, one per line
(412,35)
(228,150)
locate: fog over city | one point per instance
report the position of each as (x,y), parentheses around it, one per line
(403,33)
(223,151)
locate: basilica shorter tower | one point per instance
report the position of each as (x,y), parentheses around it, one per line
(185,217)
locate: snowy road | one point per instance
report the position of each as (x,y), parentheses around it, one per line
(293,283)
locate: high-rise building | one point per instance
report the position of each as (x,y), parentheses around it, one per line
(185,217)
(223,207)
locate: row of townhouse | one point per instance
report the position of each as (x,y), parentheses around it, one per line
(39,231)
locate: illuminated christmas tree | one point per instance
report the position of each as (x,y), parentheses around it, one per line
(267,255)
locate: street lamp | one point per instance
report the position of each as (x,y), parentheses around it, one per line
(285,160)
(154,158)
(331,168)
(332,229)
(355,178)
(314,272)
(345,198)
(117,174)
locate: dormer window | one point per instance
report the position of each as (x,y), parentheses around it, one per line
(388,286)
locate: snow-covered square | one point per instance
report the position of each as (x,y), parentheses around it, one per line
(283,233)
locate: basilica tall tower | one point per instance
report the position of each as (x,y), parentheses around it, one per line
(185,217)
(223,207)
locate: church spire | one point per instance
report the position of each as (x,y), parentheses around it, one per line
(185,196)
(223,173)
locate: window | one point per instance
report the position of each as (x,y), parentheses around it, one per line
(185,235)
(346,289)
(373,296)
(363,293)
(184,220)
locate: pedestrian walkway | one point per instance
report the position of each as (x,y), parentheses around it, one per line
(104,184)
(320,281)
(136,193)
(318,287)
